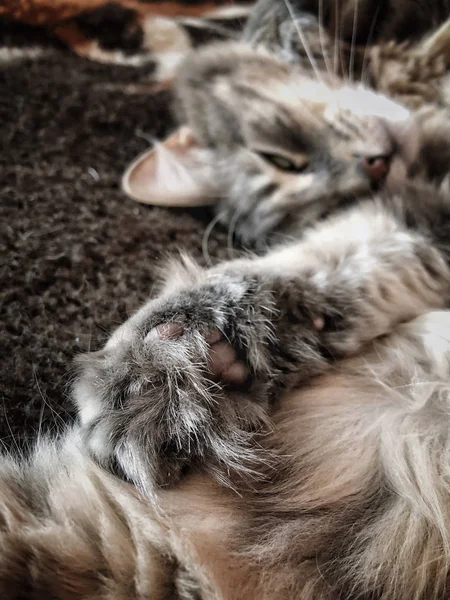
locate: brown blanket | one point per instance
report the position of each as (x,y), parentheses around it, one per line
(85,84)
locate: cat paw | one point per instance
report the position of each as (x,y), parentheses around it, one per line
(183,383)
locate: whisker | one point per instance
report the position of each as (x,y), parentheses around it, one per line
(46,401)
(344,73)
(8,424)
(206,236)
(324,54)
(41,418)
(302,38)
(352,46)
(368,44)
(338,58)
(336,38)
(231,230)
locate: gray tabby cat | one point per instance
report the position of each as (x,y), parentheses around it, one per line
(276,426)
(283,143)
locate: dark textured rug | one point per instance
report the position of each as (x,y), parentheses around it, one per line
(77,256)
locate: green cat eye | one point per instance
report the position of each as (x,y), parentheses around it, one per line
(283,163)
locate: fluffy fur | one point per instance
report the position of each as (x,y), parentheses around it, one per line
(147,402)
(308,507)
(69,530)
(353,503)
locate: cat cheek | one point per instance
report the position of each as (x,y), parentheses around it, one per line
(302,183)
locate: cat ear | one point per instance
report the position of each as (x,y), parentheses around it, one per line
(172,173)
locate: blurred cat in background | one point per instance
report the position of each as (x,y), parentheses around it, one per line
(292,125)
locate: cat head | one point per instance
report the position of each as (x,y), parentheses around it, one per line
(273,147)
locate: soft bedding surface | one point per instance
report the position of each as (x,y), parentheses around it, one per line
(85,87)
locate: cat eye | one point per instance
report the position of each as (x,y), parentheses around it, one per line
(283,163)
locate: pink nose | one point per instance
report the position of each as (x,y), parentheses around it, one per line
(375,167)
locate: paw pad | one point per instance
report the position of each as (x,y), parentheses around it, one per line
(223,362)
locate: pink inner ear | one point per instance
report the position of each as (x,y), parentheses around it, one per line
(166,174)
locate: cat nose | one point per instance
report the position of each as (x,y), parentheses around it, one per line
(375,167)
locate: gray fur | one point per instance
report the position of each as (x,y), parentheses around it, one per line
(353,503)
(148,404)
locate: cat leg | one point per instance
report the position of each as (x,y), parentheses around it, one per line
(190,378)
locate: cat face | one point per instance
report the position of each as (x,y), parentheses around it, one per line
(281,149)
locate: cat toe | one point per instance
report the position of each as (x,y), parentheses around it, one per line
(222,361)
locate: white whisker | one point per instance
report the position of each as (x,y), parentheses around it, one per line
(368,44)
(206,237)
(325,56)
(303,40)
(336,39)
(352,47)
(8,425)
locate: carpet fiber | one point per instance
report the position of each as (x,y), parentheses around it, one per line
(80,98)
